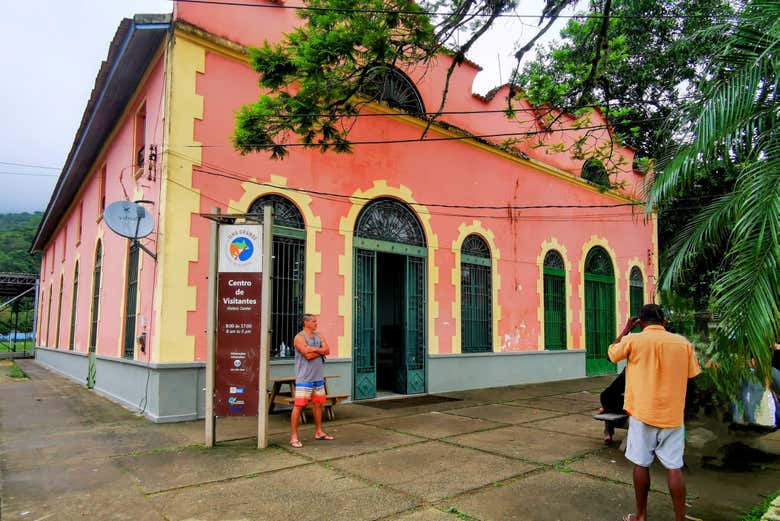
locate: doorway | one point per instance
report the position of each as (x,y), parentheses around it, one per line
(390,321)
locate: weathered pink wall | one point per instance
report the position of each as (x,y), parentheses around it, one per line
(121,184)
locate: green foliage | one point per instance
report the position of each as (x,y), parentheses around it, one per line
(757,512)
(310,78)
(734,129)
(17,231)
(14,371)
(654,56)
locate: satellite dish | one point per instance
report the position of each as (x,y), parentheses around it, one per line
(128,219)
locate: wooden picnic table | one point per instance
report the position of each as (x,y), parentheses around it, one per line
(281,396)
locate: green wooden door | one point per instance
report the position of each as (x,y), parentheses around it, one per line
(410,373)
(364,326)
(599,312)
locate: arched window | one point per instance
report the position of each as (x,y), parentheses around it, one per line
(288,271)
(599,311)
(554,301)
(73,307)
(131,299)
(391,86)
(48,317)
(391,221)
(94,313)
(593,170)
(476,311)
(636,293)
(59,314)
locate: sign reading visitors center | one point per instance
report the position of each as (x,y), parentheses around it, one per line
(238,320)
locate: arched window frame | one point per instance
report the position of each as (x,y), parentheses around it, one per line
(131,300)
(593,171)
(636,292)
(476,307)
(288,299)
(554,295)
(388,85)
(95,304)
(59,313)
(599,268)
(74,308)
(386,224)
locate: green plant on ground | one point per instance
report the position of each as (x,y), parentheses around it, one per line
(757,512)
(14,371)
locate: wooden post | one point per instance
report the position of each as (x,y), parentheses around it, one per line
(265,321)
(211,331)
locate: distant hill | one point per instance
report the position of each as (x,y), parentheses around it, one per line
(17,231)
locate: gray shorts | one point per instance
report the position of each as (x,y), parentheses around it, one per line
(645,442)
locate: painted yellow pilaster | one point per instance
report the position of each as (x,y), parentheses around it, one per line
(359,199)
(253,189)
(604,243)
(179,201)
(464,231)
(554,244)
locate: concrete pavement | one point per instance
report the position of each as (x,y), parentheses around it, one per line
(528,452)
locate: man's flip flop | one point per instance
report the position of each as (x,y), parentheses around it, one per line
(629,517)
(296,444)
(324,437)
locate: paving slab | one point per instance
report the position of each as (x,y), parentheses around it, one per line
(507,414)
(426,470)
(553,403)
(92,490)
(556,496)
(592,398)
(612,464)
(424,514)
(435,424)
(351,439)
(155,472)
(310,493)
(529,444)
(577,424)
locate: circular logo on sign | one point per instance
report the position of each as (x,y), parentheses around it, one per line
(241,249)
(237,363)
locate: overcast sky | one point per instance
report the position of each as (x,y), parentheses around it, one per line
(51,52)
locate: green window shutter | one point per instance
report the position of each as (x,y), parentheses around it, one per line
(364,323)
(554,294)
(95,298)
(599,311)
(288,290)
(131,300)
(476,297)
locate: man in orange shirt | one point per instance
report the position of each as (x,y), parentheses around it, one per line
(657,372)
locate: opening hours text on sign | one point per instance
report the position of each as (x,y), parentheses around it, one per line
(239,295)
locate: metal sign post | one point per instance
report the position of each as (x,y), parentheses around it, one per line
(211,321)
(265,340)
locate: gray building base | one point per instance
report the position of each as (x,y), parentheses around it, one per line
(173,392)
(479,370)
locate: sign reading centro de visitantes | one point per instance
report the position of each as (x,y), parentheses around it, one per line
(238,320)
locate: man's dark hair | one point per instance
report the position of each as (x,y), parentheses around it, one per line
(651,314)
(305,317)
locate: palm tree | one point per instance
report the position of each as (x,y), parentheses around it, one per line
(735,127)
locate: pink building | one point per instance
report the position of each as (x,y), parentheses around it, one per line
(441,265)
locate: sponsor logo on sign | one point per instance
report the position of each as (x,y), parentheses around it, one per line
(236,409)
(241,248)
(236,390)
(237,363)
(235,401)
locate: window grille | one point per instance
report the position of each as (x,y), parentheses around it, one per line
(95,297)
(554,283)
(476,296)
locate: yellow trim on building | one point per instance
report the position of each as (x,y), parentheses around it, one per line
(254,189)
(464,231)
(360,199)
(655,260)
(604,243)
(554,244)
(179,201)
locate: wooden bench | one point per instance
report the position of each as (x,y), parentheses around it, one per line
(330,401)
(287,398)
